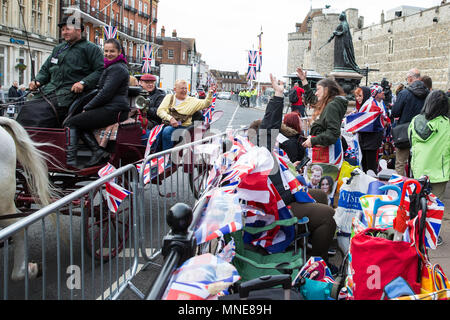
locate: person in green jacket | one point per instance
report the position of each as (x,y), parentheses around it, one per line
(74,66)
(429,134)
(330,107)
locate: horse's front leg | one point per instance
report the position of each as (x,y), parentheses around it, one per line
(18,272)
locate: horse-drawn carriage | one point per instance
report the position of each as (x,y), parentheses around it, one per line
(127,147)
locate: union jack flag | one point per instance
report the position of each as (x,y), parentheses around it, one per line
(114,194)
(435,213)
(110,32)
(252,64)
(370,118)
(299,191)
(157,164)
(260,52)
(332,154)
(197,277)
(147,59)
(154,133)
(207,114)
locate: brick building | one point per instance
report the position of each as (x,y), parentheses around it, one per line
(136,21)
(229,80)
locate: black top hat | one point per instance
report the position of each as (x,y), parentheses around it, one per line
(72,20)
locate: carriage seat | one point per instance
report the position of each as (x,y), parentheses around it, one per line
(77,106)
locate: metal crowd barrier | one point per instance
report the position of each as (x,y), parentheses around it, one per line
(182,180)
(91,252)
(94,253)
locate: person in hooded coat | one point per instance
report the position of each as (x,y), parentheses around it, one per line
(408,104)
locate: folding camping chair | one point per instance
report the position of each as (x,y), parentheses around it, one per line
(253,262)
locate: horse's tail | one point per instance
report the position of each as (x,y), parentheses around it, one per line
(32,160)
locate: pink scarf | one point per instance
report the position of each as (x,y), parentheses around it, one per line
(110,62)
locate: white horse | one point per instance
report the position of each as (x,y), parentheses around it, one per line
(15,144)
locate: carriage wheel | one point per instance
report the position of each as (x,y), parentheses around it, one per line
(22,190)
(197,179)
(106,232)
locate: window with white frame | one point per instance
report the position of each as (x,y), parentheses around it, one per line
(125,22)
(139,29)
(2,65)
(50,6)
(144,31)
(140,7)
(4,9)
(170,53)
(145,8)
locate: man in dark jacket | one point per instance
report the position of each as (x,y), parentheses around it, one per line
(409,103)
(13,92)
(154,96)
(74,66)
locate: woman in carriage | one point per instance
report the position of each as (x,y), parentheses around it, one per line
(109,106)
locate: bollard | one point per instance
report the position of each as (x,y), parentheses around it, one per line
(178,246)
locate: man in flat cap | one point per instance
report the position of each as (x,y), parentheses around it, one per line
(74,66)
(154,96)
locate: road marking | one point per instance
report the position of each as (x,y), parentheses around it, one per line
(126,253)
(232,117)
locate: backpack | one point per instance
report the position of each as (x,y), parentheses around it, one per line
(293,97)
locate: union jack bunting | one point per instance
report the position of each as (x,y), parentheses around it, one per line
(370,118)
(290,182)
(110,32)
(435,213)
(156,167)
(198,277)
(114,194)
(207,114)
(222,216)
(332,154)
(147,59)
(252,64)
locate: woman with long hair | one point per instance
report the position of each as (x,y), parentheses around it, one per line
(109,106)
(321,221)
(330,107)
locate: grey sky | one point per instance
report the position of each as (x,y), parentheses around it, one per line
(225,30)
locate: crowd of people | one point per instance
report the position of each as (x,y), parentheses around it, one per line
(77,66)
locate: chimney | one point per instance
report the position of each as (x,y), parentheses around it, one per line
(382,16)
(163,32)
(174,33)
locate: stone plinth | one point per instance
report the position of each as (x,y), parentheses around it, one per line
(348,80)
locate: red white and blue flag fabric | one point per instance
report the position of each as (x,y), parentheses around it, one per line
(223,215)
(435,213)
(290,182)
(315,269)
(278,238)
(207,114)
(154,133)
(114,194)
(370,118)
(110,32)
(252,64)
(259,52)
(147,59)
(332,154)
(202,277)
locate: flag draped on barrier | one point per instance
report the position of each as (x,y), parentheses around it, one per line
(114,194)
(147,59)
(158,162)
(110,32)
